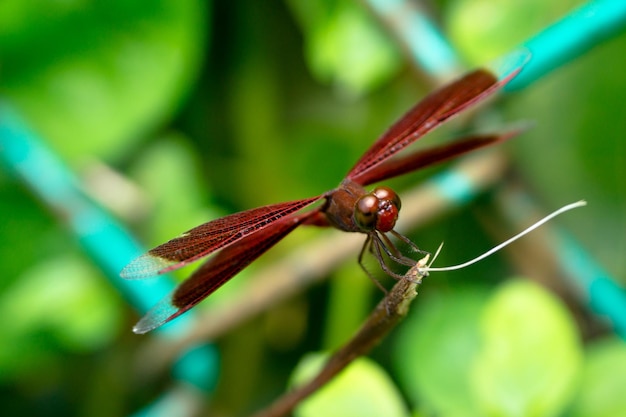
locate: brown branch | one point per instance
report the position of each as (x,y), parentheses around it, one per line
(387,314)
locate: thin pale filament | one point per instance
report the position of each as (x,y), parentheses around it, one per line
(509,241)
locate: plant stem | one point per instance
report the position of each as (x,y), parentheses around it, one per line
(387,314)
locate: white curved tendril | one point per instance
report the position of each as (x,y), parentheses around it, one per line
(549,217)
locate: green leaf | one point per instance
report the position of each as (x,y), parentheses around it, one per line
(60,304)
(169,172)
(435,348)
(344,45)
(531,354)
(601,391)
(503,23)
(94,77)
(363,389)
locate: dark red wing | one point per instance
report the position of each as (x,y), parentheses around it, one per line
(430,113)
(217,270)
(209,237)
(423,158)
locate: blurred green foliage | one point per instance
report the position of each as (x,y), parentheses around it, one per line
(503,23)
(209,108)
(364,389)
(344,46)
(85,72)
(530,353)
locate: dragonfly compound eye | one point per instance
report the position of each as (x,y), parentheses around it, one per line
(366,212)
(386,193)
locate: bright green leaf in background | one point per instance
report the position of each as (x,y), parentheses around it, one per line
(363,389)
(177,176)
(530,355)
(511,353)
(93,77)
(485,29)
(58,304)
(603,378)
(344,45)
(434,350)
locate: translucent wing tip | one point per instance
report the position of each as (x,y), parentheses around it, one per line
(145,266)
(158,315)
(509,65)
(143,327)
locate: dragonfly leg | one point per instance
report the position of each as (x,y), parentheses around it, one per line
(375,248)
(393,252)
(368,245)
(382,241)
(409,242)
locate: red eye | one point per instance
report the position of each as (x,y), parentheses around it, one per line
(386,193)
(366,212)
(388,208)
(386,216)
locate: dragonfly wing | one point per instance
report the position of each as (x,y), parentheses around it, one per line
(216,271)
(432,111)
(423,158)
(209,237)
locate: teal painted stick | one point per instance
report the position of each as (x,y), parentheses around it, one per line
(106,241)
(570,37)
(563,41)
(427,47)
(605,297)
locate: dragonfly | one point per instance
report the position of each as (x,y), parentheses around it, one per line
(238,239)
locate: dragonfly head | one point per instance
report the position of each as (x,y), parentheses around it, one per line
(377,210)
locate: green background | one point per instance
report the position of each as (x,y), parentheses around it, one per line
(173,112)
